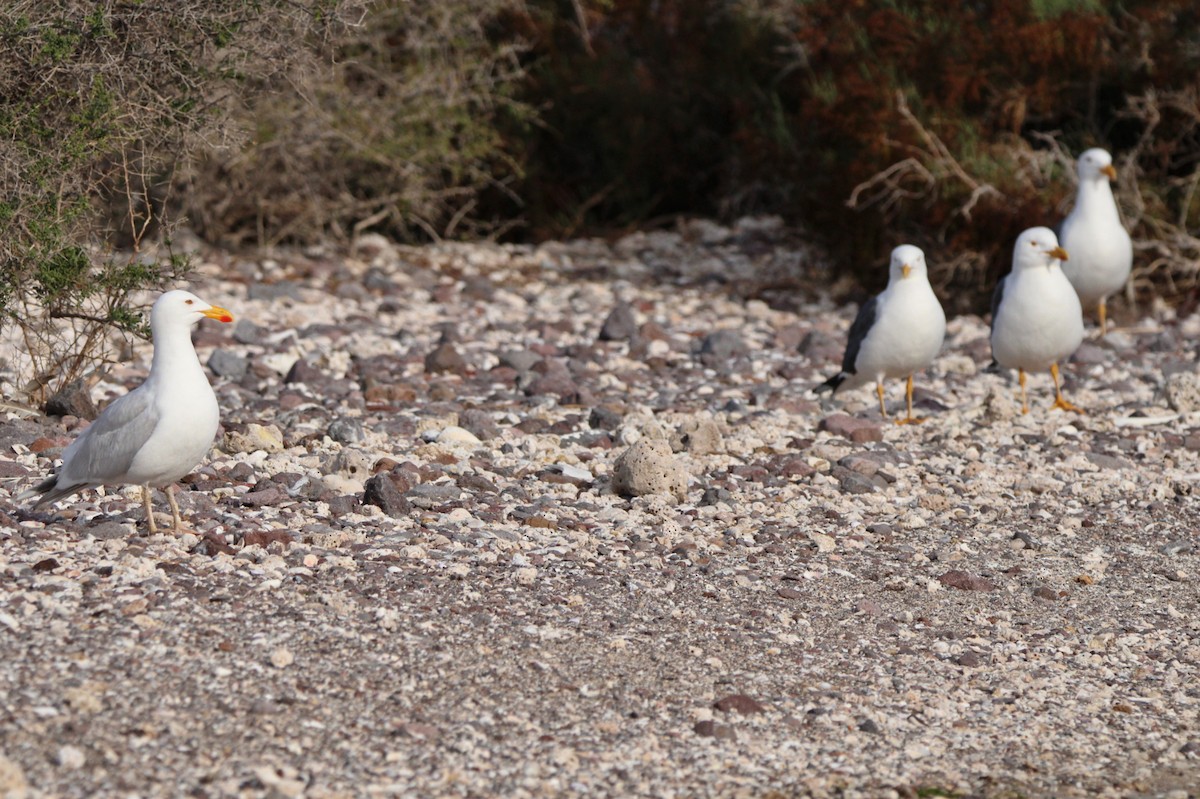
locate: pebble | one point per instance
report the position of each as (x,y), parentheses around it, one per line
(71,757)
(256,437)
(620,324)
(858,431)
(282,657)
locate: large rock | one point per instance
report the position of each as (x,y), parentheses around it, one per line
(648,467)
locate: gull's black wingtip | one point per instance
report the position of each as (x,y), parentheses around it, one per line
(832,383)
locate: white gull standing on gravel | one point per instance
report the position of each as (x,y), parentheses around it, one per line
(895,333)
(1101,250)
(1037,320)
(156,433)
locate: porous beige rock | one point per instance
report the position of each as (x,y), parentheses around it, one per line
(648,467)
(266,438)
(1183,391)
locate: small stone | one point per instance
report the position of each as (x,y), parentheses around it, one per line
(228,365)
(741,703)
(698,435)
(346,430)
(246,332)
(965,581)
(73,399)
(710,729)
(432,495)
(1026,540)
(520,360)
(344,504)
(526,576)
(265,496)
(620,324)
(859,431)
(720,348)
(1048,594)
(648,467)
(445,358)
(870,727)
(602,418)
(1108,461)
(825,543)
(44,444)
(264,538)
(969,659)
(71,757)
(304,372)
(853,482)
(480,423)
(282,657)
(255,437)
(381,492)
(457,436)
(999,406)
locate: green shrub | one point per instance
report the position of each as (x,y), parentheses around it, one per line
(99,103)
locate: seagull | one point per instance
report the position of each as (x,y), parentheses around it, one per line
(1037,320)
(895,333)
(1101,251)
(156,433)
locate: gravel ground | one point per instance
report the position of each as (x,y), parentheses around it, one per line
(410,574)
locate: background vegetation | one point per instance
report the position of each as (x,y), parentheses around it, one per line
(302,121)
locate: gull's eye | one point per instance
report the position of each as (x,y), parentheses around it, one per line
(188,302)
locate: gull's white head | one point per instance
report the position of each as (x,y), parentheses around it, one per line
(1037,246)
(907,262)
(1095,164)
(184,307)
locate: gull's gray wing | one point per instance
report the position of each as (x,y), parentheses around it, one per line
(105,451)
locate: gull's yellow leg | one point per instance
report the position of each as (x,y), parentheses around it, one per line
(175,521)
(910,419)
(879,391)
(1024,395)
(1059,400)
(149,510)
(1103,316)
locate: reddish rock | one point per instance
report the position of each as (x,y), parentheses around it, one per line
(710,729)
(264,538)
(40,445)
(859,431)
(965,581)
(741,703)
